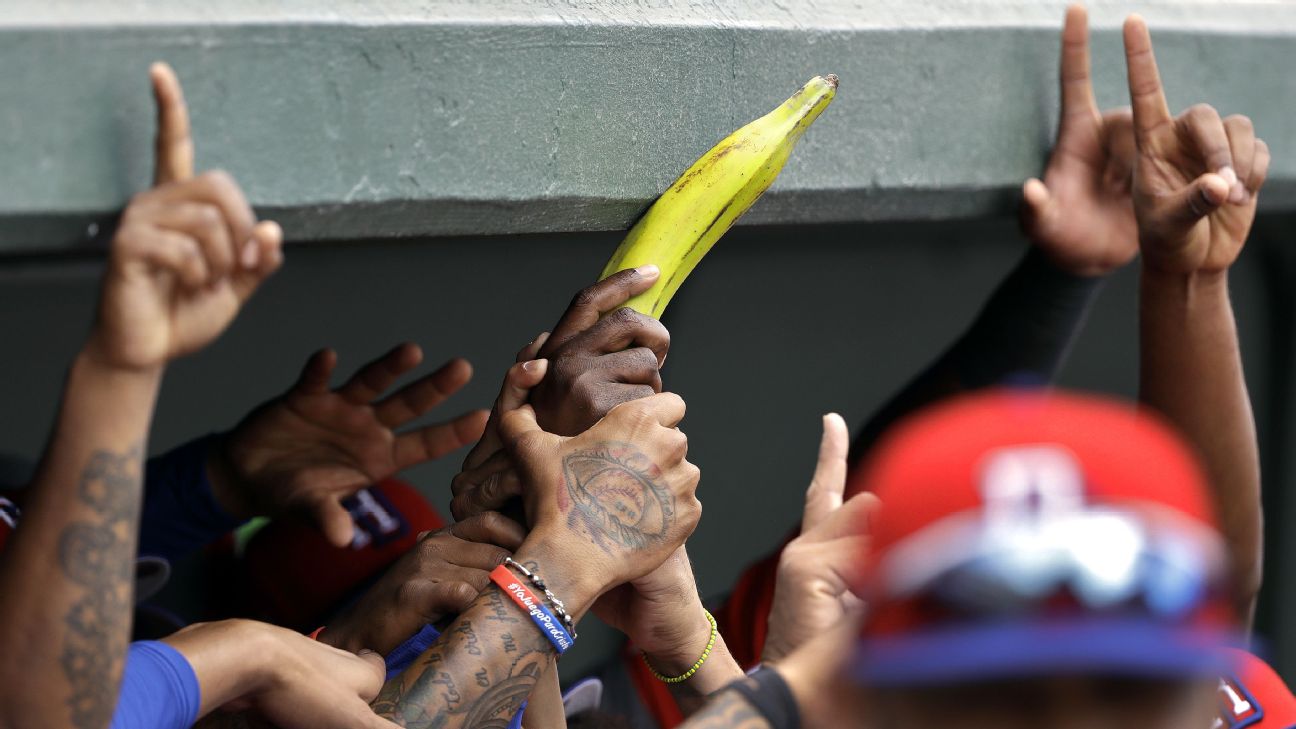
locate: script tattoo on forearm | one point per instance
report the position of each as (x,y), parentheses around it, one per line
(97,555)
(728,710)
(615,494)
(452,686)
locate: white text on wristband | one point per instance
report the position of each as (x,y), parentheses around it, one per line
(534,608)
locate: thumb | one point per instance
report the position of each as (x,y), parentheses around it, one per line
(370,673)
(518,423)
(1036,204)
(258,258)
(1183,208)
(335,522)
(518,382)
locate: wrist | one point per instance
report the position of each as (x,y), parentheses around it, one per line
(90,362)
(95,353)
(266,659)
(1197,280)
(673,647)
(717,671)
(568,578)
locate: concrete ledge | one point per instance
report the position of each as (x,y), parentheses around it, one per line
(374,119)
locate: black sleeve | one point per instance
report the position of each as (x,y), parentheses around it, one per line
(1023,334)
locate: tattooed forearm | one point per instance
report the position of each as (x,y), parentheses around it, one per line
(477,675)
(728,710)
(96,554)
(615,494)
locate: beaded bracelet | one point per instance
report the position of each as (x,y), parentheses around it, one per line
(534,607)
(557,604)
(706,653)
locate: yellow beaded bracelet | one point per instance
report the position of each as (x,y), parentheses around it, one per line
(706,653)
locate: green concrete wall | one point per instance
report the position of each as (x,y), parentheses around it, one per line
(373,119)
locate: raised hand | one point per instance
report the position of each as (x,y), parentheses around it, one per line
(817,568)
(313,446)
(1081,214)
(187,254)
(1196,176)
(610,505)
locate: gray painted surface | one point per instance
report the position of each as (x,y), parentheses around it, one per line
(364,120)
(777,326)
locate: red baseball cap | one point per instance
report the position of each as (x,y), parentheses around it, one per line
(1031,532)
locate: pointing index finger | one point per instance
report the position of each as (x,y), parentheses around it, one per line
(1146,95)
(174,142)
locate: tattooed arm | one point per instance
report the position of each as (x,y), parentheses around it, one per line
(66,576)
(545,708)
(608,506)
(175,279)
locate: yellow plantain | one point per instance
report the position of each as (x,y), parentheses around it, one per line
(694,212)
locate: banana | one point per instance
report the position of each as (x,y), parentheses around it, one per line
(695,211)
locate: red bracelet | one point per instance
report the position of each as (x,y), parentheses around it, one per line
(315,634)
(535,609)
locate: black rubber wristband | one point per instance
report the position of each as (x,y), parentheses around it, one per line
(769,694)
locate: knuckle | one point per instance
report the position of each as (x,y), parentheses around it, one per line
(692,474)
(208,216)
(677,445)
(497,556)
(491,521)
(463,594)
(1240,122)
(625,318)
(408,594)
(1202,112)
(217,178)
(584,387)
(584,298)
(644,358)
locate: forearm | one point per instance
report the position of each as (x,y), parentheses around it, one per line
(67,573)
(1190,369)
(1024,330)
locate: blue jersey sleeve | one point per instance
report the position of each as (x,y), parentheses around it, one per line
(159,689)
(180,514)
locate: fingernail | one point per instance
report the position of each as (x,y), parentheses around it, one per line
(251,254)
(648,271)
(365,652)
(533,365)
(1229,175)
(1237,193)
